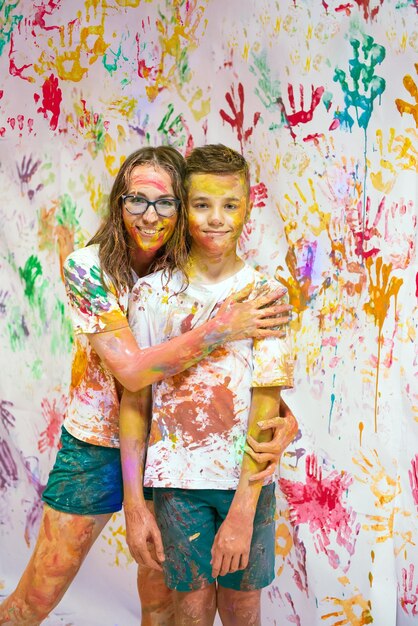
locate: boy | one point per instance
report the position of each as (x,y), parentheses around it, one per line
(217,524)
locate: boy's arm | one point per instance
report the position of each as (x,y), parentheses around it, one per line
(232,543)
(135,409)
(285,429)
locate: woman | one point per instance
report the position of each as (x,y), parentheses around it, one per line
(144,228)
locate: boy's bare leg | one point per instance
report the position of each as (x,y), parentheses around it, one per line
(157,602)
(195,608)
(63,542)
(239,607)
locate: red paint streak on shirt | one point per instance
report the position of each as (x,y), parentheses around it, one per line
(186,324)
(192,401)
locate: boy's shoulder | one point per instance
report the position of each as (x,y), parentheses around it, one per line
(153,285)
(259,278)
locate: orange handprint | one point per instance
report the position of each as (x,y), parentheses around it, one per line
(381,291)
(409,107)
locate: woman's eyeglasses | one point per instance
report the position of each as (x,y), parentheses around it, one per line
(137,205)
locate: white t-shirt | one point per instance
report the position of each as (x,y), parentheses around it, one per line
(200,416)
(93,410)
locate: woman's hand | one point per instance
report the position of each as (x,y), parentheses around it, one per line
(285,429)
(260,317)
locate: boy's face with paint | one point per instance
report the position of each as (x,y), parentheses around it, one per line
(218,207)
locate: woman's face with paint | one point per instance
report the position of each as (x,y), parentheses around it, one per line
(218,207)
(148,231)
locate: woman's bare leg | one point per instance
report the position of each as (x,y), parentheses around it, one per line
(63,542)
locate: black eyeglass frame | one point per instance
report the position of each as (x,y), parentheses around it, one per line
(152,203)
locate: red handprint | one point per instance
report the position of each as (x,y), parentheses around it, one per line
(300,117)
(259,193)
(237,121)
(362,228)
(51,100)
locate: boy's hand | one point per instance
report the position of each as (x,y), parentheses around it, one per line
(257,318)
(143,537)
(231,547)
(285,430)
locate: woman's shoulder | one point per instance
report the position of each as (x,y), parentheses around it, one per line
(89,256)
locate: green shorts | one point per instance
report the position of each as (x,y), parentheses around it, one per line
(189,520)
(86,479)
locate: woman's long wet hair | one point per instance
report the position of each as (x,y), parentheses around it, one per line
(112,236)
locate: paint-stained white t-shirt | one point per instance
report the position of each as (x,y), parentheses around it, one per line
(200,416)
(93,408)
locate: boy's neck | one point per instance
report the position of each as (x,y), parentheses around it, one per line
(211,267)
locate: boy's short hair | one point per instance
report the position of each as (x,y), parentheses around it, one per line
(216,159)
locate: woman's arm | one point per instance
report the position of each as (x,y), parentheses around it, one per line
(136,368)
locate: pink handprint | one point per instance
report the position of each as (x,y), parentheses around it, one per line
(319,503)
(413,478)
(409,598)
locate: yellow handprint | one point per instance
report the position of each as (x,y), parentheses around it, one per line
(397,154)
(383,486)
(355,611)
(385,526)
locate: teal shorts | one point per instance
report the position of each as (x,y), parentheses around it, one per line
(86,479)
(189,520)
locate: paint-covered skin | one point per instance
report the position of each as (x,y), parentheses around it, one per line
(62,544)
(149,232)
(217,210)
(200,416)
(93,409)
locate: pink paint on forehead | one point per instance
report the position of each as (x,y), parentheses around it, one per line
(150,177)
